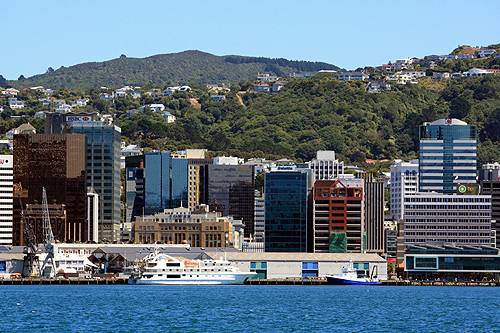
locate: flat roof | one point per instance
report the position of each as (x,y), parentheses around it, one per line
(296,256)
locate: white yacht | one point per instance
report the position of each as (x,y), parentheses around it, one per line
(160,268)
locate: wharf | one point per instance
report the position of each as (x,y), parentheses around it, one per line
(57,281)
(289,281)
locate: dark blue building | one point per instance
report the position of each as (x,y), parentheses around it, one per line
(448,155)
(288,210)
(155,181)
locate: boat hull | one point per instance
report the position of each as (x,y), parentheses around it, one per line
(340,281)
(229,279)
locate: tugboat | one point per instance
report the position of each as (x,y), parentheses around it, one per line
(349,276)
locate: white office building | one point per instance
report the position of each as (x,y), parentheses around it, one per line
(404,182)
(6,181)
(325,166)
(453,219)
(259,219)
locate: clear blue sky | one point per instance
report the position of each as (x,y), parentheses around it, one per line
(350,34)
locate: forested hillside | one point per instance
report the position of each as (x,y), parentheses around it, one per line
(166,69)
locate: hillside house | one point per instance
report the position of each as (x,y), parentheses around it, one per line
(438,75)
(485,53)
(376,86)
(135,94)
(277,86)
(131,112)
(48,92)
(434,57)
(217,98)
(79,102)
(10,92)
(106,97)
(44,101)
(414,73)
(15,104)
(169,91)
(403,64)
(450,57)
(465,56)
(353,76)
(120,93)
(266,77)
(385,67)
(169,118)
(261,87)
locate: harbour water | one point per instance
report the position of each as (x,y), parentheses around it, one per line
(124,308)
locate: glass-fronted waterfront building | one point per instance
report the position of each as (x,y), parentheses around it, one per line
(448,155)
(288,210)
(451,262)
(103,172)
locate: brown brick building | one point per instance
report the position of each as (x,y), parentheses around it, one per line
(338,216)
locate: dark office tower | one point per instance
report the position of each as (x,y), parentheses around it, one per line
(56,162)
(288,210)
(374,217)
(103,172)
(231,190)
(448,155)
(489,179)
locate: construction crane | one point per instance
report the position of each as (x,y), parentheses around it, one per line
(49,266)
(31,262)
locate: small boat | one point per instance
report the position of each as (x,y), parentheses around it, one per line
(349,276)
(160,268)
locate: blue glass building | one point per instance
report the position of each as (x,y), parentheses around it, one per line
(155,181)
(165,182)
(448,155)
(288,210)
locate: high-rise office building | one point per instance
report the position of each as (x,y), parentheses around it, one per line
(489,179)
(103,172)
(155,181)
(453,219)
(6,178)
(448,155)
(230,189)
(56,162)
(339,217)
(288,209)
(404,181)
(325,165)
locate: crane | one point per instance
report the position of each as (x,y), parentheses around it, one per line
(31,263)
(49,266)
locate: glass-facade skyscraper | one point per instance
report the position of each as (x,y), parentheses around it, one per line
(230,189)
(103,172)
(155,181)
(448,155)
(165,182)
(288,210)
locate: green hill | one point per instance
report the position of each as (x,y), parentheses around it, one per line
(166,69)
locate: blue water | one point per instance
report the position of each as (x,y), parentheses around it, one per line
(124,308)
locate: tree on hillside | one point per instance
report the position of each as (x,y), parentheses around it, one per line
(3,81)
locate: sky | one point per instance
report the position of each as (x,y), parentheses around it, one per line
(37,34)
